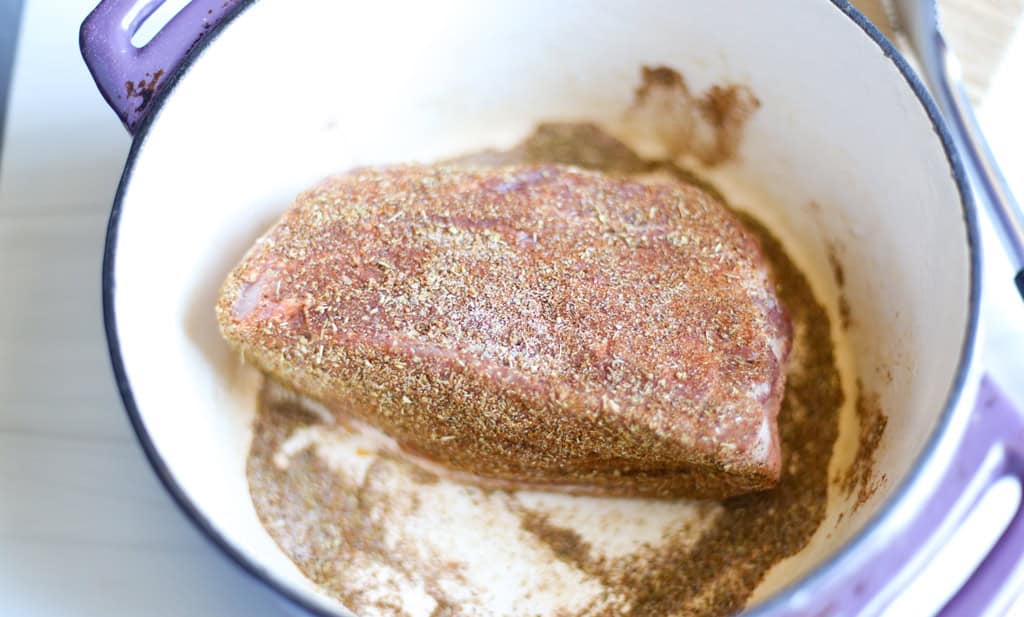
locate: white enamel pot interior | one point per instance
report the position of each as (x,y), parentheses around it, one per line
(842,156)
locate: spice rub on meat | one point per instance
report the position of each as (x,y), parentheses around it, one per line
(536,326)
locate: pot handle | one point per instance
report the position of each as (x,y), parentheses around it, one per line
(991,448)
(127,76)
(996,430)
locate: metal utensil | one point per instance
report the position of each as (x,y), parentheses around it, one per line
(919,21)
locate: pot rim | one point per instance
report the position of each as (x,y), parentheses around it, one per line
(834,563)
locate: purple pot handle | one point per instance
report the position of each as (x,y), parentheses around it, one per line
(990,448)
(995,436)
(128,76)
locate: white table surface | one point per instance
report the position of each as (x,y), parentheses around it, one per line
(85,527)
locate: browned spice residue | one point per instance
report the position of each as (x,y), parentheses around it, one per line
(143,90)
(845,316)
(566,544)
(859,478)
(709,126)
(325,523)
(837,267)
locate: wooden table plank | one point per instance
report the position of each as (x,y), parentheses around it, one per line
(55,376)
(978,31)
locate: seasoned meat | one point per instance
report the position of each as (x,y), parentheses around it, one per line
(535,326)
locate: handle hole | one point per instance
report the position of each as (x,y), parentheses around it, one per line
(954,563)
(156,21)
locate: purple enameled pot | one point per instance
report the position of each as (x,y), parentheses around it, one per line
(236,106)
